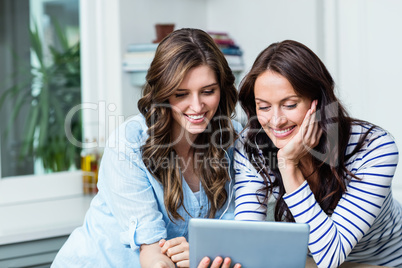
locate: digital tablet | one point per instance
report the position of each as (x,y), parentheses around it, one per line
(250,243)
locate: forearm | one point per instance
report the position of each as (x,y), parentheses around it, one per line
(151,256)
(247,188)
(292,176)
(327,242)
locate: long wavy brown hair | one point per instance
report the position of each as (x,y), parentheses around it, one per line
(176,54)
(309,78)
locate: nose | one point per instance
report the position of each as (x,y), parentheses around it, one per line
(197,103)
(278,118)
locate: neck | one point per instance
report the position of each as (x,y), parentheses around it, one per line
(183,142)
(185,152)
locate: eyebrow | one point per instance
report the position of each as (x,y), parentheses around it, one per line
(213,84)
(285,99)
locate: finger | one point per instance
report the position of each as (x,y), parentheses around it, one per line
(304,128)
(308,124)
(237,265)
(180,256)
(307,121)
(311,127)
(177,240)
(172,243)
(315,132)
(162,242)
(314,104)
(217,262)
(163,245)
(226,262)
(185,263)
(204,263)
(183,247)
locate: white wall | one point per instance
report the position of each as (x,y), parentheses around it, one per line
(368,48)
(256,24)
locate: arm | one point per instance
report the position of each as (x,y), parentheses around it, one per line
(333,238)
(151,256)
(297,148)
(128,191)
(247,183)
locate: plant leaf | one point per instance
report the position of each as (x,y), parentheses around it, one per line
(44,107)
(61,35)
(29,137)
(36,44)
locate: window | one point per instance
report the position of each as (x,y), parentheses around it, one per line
(101,62)
(40,119)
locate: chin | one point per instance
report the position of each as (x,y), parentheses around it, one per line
(196,131)
(280,144)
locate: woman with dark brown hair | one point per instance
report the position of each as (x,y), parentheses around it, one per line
(166,165)
(304,158)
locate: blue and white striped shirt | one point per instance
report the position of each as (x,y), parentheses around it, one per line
(366,225)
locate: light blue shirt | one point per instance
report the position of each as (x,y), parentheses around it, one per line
(129,209)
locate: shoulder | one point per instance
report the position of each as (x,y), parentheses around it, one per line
(378,143)
(242,138)
(131,133)
(240,150)
(237,126)
(375,135)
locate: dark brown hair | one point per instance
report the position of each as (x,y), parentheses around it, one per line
(179,52)
(309,78)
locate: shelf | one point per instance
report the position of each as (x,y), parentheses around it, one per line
(137,76)
(138,58)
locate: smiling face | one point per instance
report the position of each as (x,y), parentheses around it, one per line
(280,111)
(195,101)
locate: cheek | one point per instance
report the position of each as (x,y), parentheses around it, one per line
(263,119)
(214,102)
(175,115)
(299,117)
(176,105)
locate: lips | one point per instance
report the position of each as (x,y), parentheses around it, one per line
(283,132)
(195,118)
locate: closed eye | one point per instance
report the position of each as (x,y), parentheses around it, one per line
(209,92)
(264,108)
(178,95)
(291,106)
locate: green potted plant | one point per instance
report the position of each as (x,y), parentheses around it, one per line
(55,89)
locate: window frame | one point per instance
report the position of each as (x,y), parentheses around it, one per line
(101,70)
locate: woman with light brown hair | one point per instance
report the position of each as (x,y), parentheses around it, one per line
(166,165)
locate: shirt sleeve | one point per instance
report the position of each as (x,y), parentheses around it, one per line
(227,211)
(332,238)
(248,182)
(130,196)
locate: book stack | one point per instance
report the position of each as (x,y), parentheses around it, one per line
(230,50)
(138,57)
